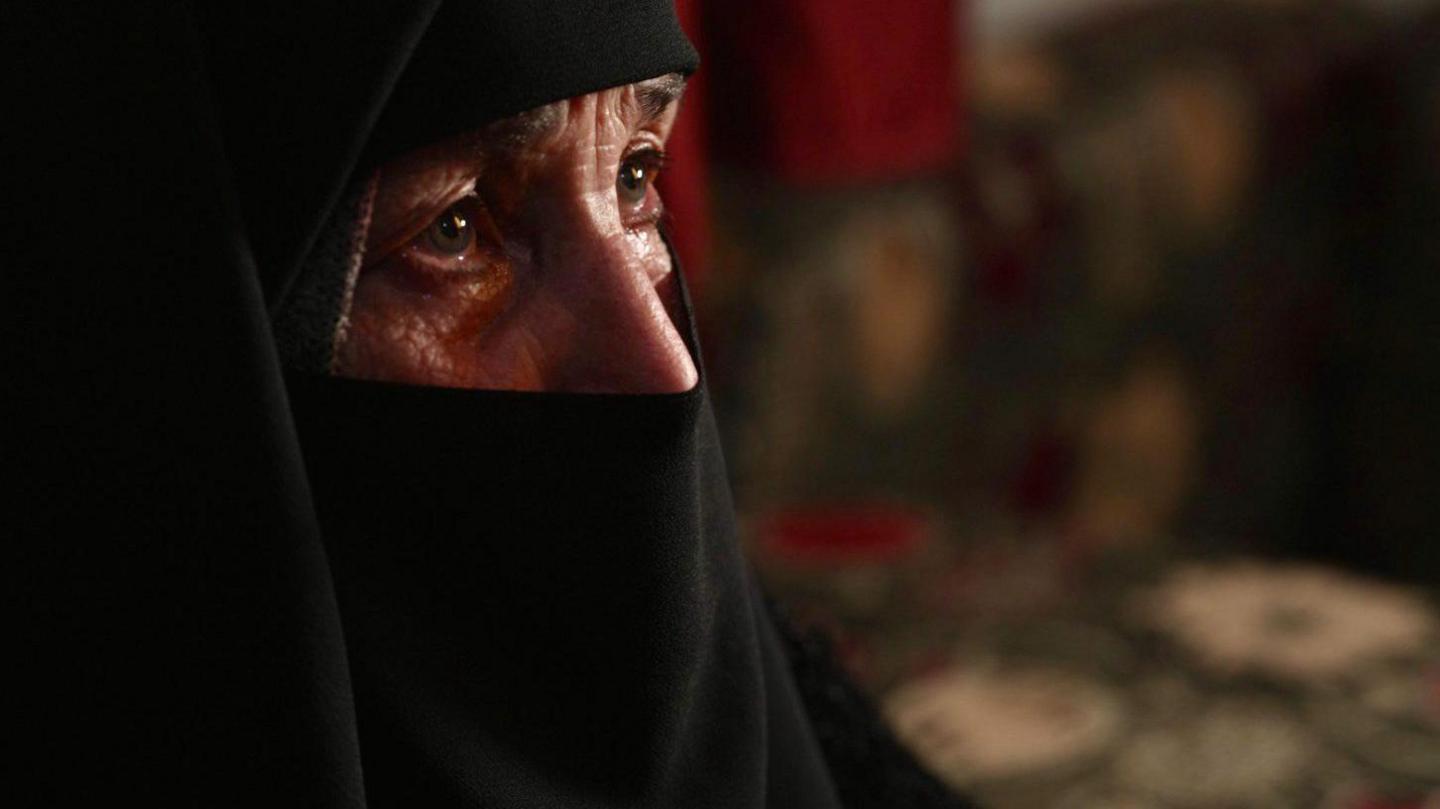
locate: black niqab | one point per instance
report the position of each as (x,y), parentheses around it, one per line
(237,590)
(233,583)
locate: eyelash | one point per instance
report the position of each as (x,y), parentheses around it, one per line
(656,158)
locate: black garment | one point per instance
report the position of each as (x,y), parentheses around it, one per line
(544,603)
(231,588)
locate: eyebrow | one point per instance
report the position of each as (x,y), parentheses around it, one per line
(653,95)
(657,94)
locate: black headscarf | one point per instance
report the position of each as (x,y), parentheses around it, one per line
(234,586)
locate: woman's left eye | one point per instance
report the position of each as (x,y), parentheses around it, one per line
(637,172)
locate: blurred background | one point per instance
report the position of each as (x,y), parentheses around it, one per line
(1077,361)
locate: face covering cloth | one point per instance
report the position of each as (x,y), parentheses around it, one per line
(235,581)
(542,595)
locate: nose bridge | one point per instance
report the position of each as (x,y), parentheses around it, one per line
(624,338)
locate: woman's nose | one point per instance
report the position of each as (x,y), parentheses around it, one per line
(622,337)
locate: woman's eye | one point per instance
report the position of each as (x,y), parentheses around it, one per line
(636,174)
(452,231)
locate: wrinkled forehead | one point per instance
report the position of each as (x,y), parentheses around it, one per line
(651,98)
(483,61)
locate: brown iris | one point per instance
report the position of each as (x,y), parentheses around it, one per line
(451,232)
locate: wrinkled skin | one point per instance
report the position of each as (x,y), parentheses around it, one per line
(511,258)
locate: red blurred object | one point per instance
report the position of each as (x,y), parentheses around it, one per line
(834,91)
(684,185)
(842,535)
(1046,477)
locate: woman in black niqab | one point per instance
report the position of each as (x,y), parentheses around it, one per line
(238,581)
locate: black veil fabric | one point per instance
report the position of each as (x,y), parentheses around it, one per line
(230,586)
(544,602)
(174,639)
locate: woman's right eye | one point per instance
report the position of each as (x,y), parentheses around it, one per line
(462,239)
(452,232)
